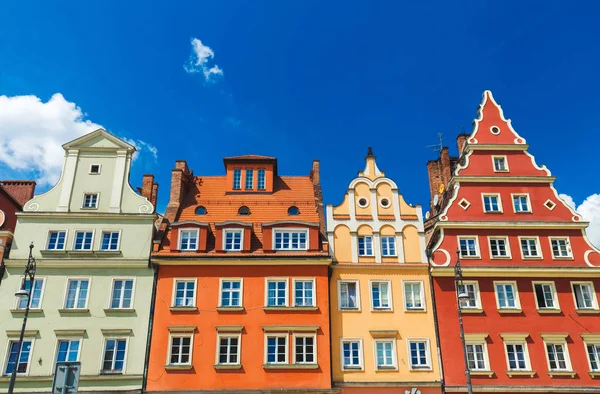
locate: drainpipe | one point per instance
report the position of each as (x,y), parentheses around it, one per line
(150,323)
(329,275)
(428,252)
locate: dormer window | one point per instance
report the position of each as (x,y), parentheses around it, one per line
(261,179)
(200,211)
(293,211)
(290,239)
(237,178)
(188,240)
(249,178)
(232,239)
(244,211)
(90,200)
(95,169)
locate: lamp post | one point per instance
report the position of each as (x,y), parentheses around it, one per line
(462,296)
(29,274)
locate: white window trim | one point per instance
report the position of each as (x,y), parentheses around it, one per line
(264,179)
(102,232)
(97,200)
(477,249)
(486,355)
(305,335)
(540,255)
(116,338)
(466,205)
(361,362)
(358,198)
(554,296)
(87,296)
(506,242)
(218,348)
(246,170)
(394,354)
(428,366)
(517,306)
(494,157)
(233,230)
(512,200)
(395,246)
(112,288)
(478,306)
(569,249)
(221,280)
(287,347)
(180,238)
(390,295)
(287,290)
(290,229)
(60,338)
(525,354)
(314,290)
(233,179)
(339,292)
(7,356)
(562,342)
(551,203)
(497,195)
(594,297)
(586,343)
(79,230)
(372,245)
(43,279)
(66,231)
(174,291)
(99,169)
(423,307)
(170,345)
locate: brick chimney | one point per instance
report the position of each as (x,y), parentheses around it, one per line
(461,141)
(315,172)
(315,177)
(440,172)
(21,191)
(180,178)
(150,189)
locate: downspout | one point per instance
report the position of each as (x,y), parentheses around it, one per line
(329,275)
(435,321)
(150,323)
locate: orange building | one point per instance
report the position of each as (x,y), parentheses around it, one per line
(242,293)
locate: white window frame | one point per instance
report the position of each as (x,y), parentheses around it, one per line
(339,291)
(264,181)
(107,231)
(556,306)
(421,284)
(394,365)
(21,286)
(241,290)
(563,342)
(180,238)
(477,306)
(174,295)
(522,342)
(596,343)
(287,291)
(222,335)
(486,355)
(287,348)
(358,247)
(526,195)
(233,183)
(361,363)
(97,194)
(494,157)
(292,230)
(99,169)
(87,296)
(112,289)
(314,291)
(567,240)
(75,232)
(506,243)
(477,249)
(7,355)
(389,308)
(393,238)
(246,171)
(517,306)
(233,231)
(57,231)
(538,248)
(102,354)
(170,345)
(60,339)
(428,365)
(497,195)
(312,335)
(593,291)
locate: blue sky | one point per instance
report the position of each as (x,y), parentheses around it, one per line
(303,80)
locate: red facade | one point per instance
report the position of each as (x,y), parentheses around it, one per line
(532,319)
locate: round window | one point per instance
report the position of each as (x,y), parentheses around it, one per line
(293,211)
(363,202)
(384,202)
(200,210)
(244,211)
(495,130)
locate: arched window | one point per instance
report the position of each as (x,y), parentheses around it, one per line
(244,211)
(200,210)
(293,210)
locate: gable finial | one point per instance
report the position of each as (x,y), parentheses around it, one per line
(370,152)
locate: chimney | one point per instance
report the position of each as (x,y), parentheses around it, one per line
(461,141)
(315,173)
(154,194)
(149,189)
(179,177)
(21,191)
(315,177)
(439,172)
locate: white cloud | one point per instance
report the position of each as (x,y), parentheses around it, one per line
(32,133)
(589,209)
(142,146)
(198,62)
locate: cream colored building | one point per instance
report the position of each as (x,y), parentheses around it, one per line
(92,237)
(383,331)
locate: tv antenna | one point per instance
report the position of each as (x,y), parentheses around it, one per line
(440,145)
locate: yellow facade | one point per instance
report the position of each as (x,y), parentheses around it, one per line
(381,307)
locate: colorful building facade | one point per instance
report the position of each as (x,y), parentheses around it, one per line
(531,319)
(242,294)
(382,322)
(92,237)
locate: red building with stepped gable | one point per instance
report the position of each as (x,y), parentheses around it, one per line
(532,322)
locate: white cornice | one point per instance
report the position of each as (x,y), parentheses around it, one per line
(495,147)
(516,271)
(88,215)
(81,263)
(513,225)
(181,260)
(503,179)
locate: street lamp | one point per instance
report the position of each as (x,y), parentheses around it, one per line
(21,294)
(462,296)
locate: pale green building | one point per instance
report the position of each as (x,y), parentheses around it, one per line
(92,237)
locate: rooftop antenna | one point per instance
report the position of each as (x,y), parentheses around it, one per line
(440,145)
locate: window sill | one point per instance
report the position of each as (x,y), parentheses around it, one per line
(588,311)
(290,366)
(74,310)
(230,308)
(108,252)
(119,310)
(227,366)
(53,251)
(31,310)
(510,310)
(501,257)
(470,257)
(382,310)
(548,311)
(420,369)
(562,258)
(386,369)
(471,310)
(81,252)
(594,374)
(562,373)
(349,309)
(352,368)
(415,310)
(489,374)
(511,374)
(533,258)
(178,367)
(111,372)
(183,308)
(290,308)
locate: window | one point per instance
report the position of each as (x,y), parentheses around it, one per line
(476,358)
(491,203)
(114,356)
(468,246)
(68,350)
(593,351)
(521,203)
(517,356)
(506,295)
(56,240)
(388,246)
(304,292)
(413,295)
(499,247)
(237,179)
(90,200)
(277,292)
(500,164)
(261,179)
(244,211)
(495,130)
(472,290)
(249,178)
(229,350)
(200,211)
(291,239)
(83,240)
(110,240)
(363,202)
(351,354)
(231,293)
(348,295)
(188,239)
(293,211)
(304,349)
(23,362)
(95,169)
(77,291)
(529,248)
(36,294)
(545,295)
(561,248)
(585,297)
(122,294)
(384,202)
(385,352)
(464,203)
(550,204)
(180,350)
(557,357)
(365,246)
(185,293)
(418,354)
(233,240)
(381,295)
(277,349)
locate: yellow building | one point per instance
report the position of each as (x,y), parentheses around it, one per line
(382,321)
